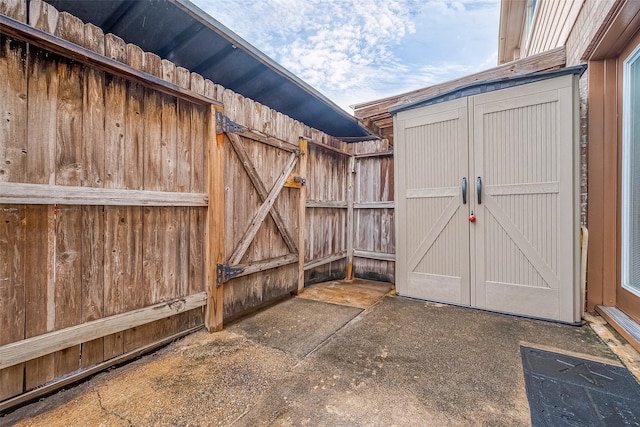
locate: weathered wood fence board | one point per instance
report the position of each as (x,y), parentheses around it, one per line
(74,127)
(116,194)
(374,240)
(326,226)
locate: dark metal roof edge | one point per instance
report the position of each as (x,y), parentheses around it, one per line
(251,50)
(505,81)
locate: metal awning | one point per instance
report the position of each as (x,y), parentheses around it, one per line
(179,31)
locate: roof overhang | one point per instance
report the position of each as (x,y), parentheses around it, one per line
(512,14)
(181,32)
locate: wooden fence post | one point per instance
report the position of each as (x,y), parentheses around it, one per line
(215,223)
(350,199)
(302,207)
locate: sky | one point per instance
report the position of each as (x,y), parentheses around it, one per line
(354,51)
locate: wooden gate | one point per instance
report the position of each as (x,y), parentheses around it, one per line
(487,200)
(267,167)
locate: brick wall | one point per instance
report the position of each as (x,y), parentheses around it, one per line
(589,20)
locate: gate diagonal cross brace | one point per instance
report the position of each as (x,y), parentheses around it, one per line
(236,143)
(261,214)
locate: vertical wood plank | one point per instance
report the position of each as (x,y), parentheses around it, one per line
(349,229)
(134,135)
(141,126)
(92,287)
(153,247)
(116,219)
(93,160)
(42,100)
(68,304)
(12,293)
(214,247)
(93,114)
(39,252)
(184,149)
(13,109)
(197,216)
(183,178)
(114,121)
(153,127)
(70,109)
(39,255)
(302,210)
(173,218)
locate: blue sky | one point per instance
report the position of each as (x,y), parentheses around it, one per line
(360,50)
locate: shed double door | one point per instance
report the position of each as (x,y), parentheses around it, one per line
(507,158)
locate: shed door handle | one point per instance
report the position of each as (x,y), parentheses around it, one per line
(464,190)
(479,188)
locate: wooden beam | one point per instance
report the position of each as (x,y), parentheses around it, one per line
(262,212)
(36,37)
(268,140)
(76,376)
(254,176)
(302,211)
(329,148)
(214,241)
(41,345)
(375,205)
(43,194)
(381,256)
(329,204)
(351,171)
(379,154)
(326,260)
(267,264)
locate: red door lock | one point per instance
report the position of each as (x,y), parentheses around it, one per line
(472,217)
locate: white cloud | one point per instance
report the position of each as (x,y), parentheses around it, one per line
(357,50)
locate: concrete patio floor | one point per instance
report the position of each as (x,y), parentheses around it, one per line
(304,361)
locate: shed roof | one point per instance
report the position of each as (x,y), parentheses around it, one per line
(489,86)
(376,115)
(179,31)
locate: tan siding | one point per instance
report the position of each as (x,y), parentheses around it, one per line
(552,24)
(587,23)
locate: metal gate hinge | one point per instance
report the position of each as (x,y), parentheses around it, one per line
(299,179)
(224,273)
(225,125)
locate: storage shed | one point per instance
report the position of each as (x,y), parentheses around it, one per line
(487,196)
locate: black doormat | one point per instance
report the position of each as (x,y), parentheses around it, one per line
(571,391)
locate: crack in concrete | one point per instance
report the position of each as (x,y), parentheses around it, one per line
(129,422)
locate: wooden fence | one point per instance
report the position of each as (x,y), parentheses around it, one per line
(133,211)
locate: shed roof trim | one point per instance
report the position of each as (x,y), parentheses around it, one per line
(489,86)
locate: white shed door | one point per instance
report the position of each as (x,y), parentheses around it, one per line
(433,217)
(523,246)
